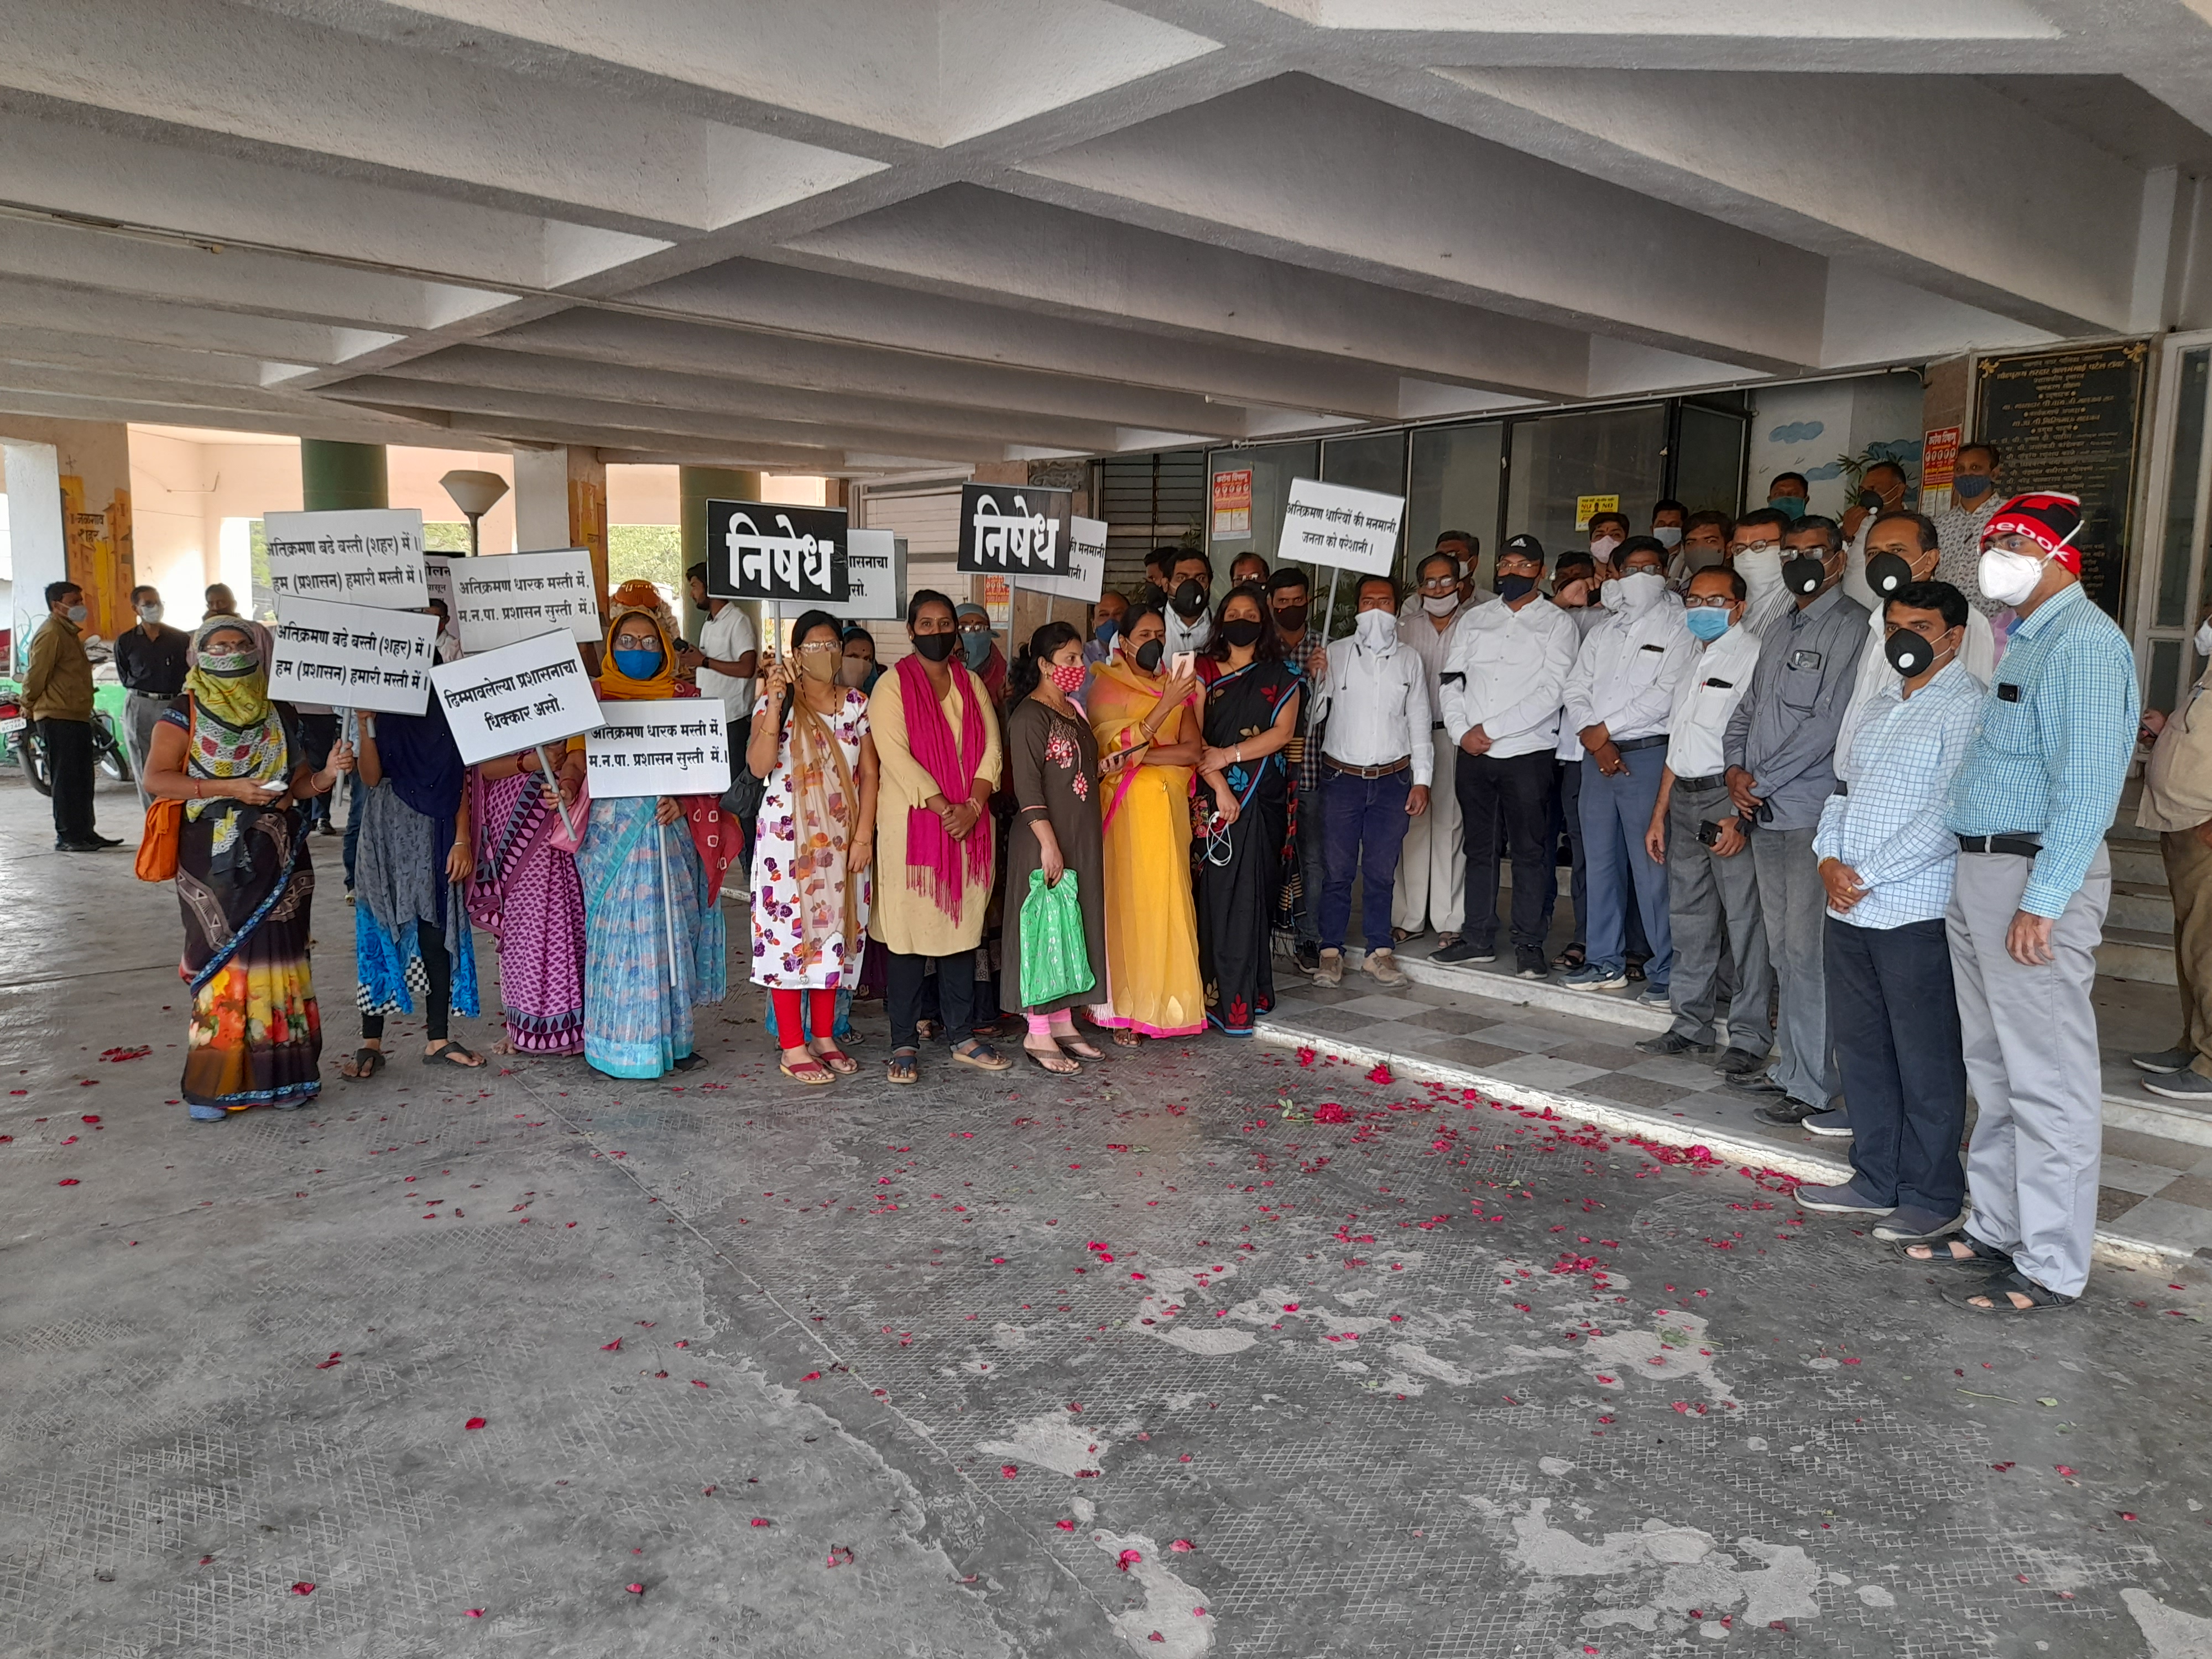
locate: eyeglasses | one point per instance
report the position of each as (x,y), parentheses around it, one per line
(1708,602)
(1739,548)
(818,647)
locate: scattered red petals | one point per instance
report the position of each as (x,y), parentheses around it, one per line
(1182,1547)
(1380,1074)
(324,1365)
(811,1377)
(1330,1112)
(840,1555)
(1128,1559)
(303,1588)
(474,1423)
(614,1347)
(634,1589)
(1064,1526)
(474,1612)
(757,1521)
(1010,1470)
(2065,1471)
(68,1180)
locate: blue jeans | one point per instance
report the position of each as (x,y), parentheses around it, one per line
(1616,814)
(1365,820)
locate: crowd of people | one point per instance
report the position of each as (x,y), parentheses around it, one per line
(1834,794)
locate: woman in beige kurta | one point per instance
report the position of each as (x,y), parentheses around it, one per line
(938,742)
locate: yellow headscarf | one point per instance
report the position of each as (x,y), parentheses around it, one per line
(619,686)
(237,700)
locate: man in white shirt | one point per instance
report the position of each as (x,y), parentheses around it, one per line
(1900,548)
(1755,550)
(1431,869)
(1619,700)
(1500,690)
(1376,764)
(727,656)
(1713,893)
(1190,592)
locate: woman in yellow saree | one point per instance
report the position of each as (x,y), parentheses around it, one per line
(1145,721)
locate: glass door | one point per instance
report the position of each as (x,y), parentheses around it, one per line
(2171,586)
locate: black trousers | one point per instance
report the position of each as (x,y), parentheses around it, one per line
(69,768)
(956,994)
(439,967)
(1893,1018)
(1517,792)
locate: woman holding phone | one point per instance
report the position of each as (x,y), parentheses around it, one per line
(1146,725)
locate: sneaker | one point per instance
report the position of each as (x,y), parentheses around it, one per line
(1846,1200)
(1835,1124)
(1383,967)
(1465,950)
(1752,1083)
(1305,959)
(2181,1085)
(1910,1224)
(2165,1060)
(1655,996)
(1785,1113)
(1740,1062)
(1329,971)
(1595,976)
(1529,962)
(1672,1043)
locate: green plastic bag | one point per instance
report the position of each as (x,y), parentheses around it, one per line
(1055,962)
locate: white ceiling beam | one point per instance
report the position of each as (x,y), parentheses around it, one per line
(122,318)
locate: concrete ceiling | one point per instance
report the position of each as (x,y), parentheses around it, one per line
(859,236)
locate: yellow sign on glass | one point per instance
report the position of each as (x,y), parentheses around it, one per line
(1586,505)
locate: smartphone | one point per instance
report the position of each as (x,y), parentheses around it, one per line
(277,786)
(1184,663)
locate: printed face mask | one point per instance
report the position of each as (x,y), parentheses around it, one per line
(230,665)
(1066,677)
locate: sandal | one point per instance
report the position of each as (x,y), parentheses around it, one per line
(366,1063)
(450,1053)
(838,1061)
(1045,1057)
(929,1030)
(811,1072)
(1573,957)
(1125,1037)
(1399,935)
(1081,1048)
(1980,1258)
(1995,1295)
(904,1067)
(982,1056)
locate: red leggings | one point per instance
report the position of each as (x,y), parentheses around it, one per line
(790,1028)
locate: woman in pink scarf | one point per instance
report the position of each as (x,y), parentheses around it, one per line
(939,746)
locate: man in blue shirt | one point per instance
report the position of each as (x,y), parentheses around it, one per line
(2030,805)
(1885,856)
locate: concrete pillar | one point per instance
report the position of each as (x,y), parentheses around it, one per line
(695,487)
(561,500)
(336,476)
(91,473)
(37,537)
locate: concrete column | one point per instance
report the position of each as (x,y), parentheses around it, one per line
(695,487)
(561,500)
(92,474)
(39,540)
(336,476)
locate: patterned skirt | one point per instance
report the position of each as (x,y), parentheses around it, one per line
(643,883)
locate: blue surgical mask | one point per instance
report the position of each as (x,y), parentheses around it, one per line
(976,645)
(1790,506)
(1107,629)
(638,664)
(1707,624)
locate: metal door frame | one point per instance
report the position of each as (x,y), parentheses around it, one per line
(2143,633)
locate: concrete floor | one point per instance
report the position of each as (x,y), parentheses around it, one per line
(1438,1379)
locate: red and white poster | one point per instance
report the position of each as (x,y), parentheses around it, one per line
(1939,455)
(1232,503)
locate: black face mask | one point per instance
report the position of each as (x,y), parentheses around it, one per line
(1870,499)
(1150,597)
(1886,573)
(1243,632)
(1290,618)
(1190,600)
(1804,574)
(937,646)
(1510,588)
(1908,652)
(1149,655)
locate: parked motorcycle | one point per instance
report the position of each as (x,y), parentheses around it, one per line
(19,739)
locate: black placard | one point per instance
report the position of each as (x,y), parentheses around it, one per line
(2069,421)
(771,550)
(1015,530)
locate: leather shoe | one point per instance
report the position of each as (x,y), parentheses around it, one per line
(1673,1042)
(82,846)
(1740,1062)
(1785,1113)
(1754,1082)
(107,841)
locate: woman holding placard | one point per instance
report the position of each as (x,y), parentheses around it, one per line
(411,924)
(527,895)
(244,880)
(643,886)
(1142,716)
(812,844)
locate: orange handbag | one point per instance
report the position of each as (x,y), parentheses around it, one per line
(157,846)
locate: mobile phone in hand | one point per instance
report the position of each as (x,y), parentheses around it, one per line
(1184,662)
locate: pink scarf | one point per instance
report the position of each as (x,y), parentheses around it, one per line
(933,861)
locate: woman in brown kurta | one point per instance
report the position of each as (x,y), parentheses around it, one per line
(1052,760)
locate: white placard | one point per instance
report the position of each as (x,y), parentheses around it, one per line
(680,747)
(500,702)
(519,596)
(1352,529)
(438,576)
(372,556)
(875,561)
(351,656)
(1086,557)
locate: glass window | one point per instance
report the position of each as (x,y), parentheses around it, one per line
(2182,492)
(2164,691)
(1376,462)
(1453,487)
(1246,515)
(1560,459)
(1708,460)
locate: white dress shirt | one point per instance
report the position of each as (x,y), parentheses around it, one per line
(727,636)
(1624,677)
(1183,636)
(1507,671)
(1376,703)
(1977,655)
(1419,633)
(1718,676)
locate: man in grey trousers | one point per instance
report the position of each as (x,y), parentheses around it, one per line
(2030,804)
(1780,749)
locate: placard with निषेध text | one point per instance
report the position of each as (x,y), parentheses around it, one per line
(500,702)
(519,596)
(678,747)
(1013,529)
(351,656)
(791,556)
(1354,530)
(369,555)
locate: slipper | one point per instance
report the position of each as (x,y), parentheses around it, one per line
(1043,1057)
(366,1063)
(929,1030)
(811,1072)
(1126,1038)
(1986,1258)
(450,1053)
(982,1056)
(1081,1049)
(1573,957)
(1999,1290)
(904,1067)
(839,1061)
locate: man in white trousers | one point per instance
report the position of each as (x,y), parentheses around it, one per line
(1432,864)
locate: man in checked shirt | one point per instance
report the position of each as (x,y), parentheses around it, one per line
(1886,860)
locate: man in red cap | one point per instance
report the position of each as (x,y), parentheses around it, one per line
(2030,804)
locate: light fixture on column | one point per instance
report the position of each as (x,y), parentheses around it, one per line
(476,494)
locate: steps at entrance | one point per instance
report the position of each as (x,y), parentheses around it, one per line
(2139,927)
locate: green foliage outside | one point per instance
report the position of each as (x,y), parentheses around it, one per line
(653,552)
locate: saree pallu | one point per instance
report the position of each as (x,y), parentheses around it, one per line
(1152,981)
(1240,872)
(636,1024)
(255,1035)
(527,895)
